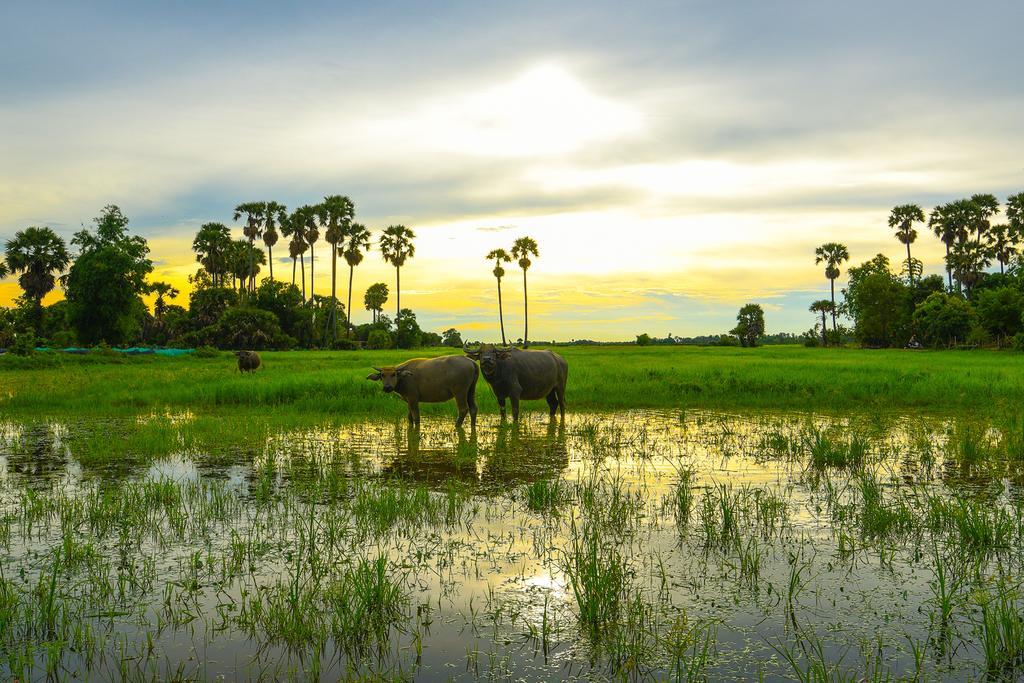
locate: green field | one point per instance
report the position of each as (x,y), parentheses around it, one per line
(701,514)
(333,384)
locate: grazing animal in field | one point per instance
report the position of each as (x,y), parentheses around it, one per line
(248,361)
(433,380)
(523,375)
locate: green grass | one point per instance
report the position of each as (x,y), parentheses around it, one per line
(600,378)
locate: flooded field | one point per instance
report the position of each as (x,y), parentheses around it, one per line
(631,545)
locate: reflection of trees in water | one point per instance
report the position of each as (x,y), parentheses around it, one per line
(39,453)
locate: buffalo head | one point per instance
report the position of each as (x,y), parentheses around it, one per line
(489,355)
(389,377)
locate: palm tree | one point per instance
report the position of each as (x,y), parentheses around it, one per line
(37,253)
(953,223)
(211,244)
(311,233)
(988,206)
(823,306)
(273,214)
(356,240)
(336,212)
(522,249)
(396,246)
(1015,210)
(833,255)
(253,212)
(902,219)
(1003,243)
(4,272)
(161,289)
(246,262)
(500,256)
(375,298)
(967,261)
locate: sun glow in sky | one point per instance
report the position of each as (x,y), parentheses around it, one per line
(672,161)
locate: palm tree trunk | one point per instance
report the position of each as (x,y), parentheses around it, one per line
(824,329)
(270,260)
(252,261)
(832,283)
(334,297)
(398,295)
(949,271)
(303,258)
(294,263)
(526,314)
(910,270)
(348,310)
(1001,267)
(312,257)
(501,316)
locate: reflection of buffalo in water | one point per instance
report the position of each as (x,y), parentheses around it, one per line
(516,456)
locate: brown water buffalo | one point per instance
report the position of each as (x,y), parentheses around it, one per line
(248,361)
(433,380)
(523,375)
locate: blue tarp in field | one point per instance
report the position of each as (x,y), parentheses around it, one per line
(131,351)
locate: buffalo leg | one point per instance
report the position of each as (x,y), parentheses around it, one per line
(501,405)
(561,399)
(463,406)
(515,407)
(552,399)
(471,401)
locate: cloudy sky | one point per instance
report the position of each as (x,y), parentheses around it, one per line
(673,160)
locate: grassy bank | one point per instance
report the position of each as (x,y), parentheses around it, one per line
(600,378)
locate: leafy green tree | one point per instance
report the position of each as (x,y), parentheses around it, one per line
(336,212)
(396,247)
(499,256)
(902,219)
(253,229)
(212,246)
(999,312)
(357,240)
(884,310)
(822,306)
(284,300)
(105,284)
(832,254)
(522,249)
(943,320)
(451,337)
(273,215)
(38,254)
(749,325)
(207,305)
(375,298)
(408,334)
(643,339)
(378,339)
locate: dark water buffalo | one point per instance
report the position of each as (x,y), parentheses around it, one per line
(433,380)
(523,375)
(248,361)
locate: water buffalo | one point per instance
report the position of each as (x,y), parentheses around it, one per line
(526,375)
(248,361)
(433,380)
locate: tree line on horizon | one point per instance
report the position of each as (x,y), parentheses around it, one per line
(970,307)
(105,281)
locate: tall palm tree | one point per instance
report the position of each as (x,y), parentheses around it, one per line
(967,261)
(832,254)
(4,271)
(1015,210)
(357,239)
(396,247)
(375,298)
(902,218)
(253,212)
(1003,243)
(336,213)
(988,206)
(38,254)
(499,256)
(246,262)
(311,233)
(522,249)
(952,223)
(273,214)
(211,245)
(823,306)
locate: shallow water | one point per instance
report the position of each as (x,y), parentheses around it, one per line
(221,565)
